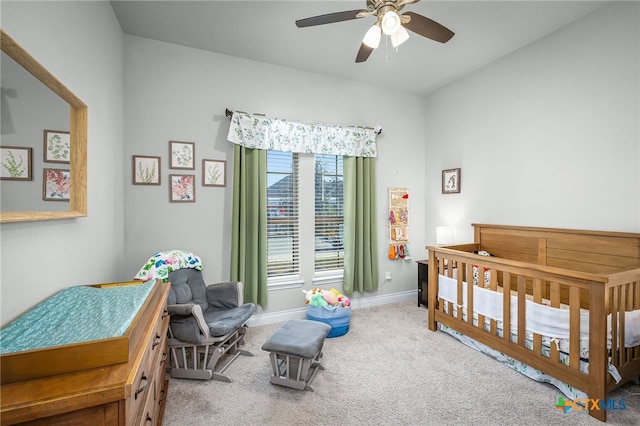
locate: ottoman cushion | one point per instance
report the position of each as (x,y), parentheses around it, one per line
(298,337)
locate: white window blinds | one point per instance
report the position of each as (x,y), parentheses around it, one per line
(283,237)
(329,219)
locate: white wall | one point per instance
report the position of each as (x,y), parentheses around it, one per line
(81,44)
(547,136)
(177,93)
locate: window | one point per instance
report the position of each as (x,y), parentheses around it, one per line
(282,215)
(305,234)
(329,230)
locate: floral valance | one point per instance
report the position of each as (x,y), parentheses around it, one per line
(260,132)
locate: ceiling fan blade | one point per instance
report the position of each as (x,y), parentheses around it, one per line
(428,28)
(363,53)
(329,18)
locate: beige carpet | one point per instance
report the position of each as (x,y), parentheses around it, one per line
(388,370)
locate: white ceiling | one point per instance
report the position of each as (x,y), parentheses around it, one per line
(265,31)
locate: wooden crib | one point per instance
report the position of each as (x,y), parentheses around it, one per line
(583,271)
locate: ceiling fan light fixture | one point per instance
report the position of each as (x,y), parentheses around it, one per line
(399,37)
(372,37)
(391,22)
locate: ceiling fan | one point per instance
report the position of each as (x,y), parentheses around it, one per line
(389,21)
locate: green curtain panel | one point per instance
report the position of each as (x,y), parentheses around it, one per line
(249,232)
(360,236)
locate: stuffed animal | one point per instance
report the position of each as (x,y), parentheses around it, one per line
(330,297)
(318,300)
(320,297)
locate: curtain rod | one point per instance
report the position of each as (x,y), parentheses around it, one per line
(228,113)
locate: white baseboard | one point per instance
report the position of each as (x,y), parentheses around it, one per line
(365,302)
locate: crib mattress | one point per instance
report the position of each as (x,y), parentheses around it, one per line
(78,328)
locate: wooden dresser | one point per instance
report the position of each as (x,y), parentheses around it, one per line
(123,393)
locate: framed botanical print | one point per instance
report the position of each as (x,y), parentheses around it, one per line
(214,172)
(182,155)
(182,188)
(57,146)
(15,163)
(146,170)
(56,184)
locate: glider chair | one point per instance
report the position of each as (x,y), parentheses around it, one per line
(207,323)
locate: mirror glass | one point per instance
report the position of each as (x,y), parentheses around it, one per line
(44,141)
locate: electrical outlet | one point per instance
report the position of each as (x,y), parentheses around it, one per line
(387,276)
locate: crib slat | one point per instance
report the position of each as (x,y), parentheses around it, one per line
(574,328)
(623,302)
(522,318)
(633,304)
(506,306)
(443,271)
(494,287)
(615,321)
(469,301)
(537,298)
(554,298)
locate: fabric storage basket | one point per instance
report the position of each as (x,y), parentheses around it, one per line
(337,317)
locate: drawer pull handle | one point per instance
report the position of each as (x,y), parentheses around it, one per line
(157,341)
(148,419)
(164,357)
(165,314)
(143,387)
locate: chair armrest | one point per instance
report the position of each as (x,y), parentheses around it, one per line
(224,295)
(196,311)
(180,309)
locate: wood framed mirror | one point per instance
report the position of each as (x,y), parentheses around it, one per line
(77,138)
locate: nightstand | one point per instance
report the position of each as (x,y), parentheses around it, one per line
(423,282)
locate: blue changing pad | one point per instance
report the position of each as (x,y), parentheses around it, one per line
(76,314)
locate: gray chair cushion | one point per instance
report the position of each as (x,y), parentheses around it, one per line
(223,322)
(220,312)
(187,286)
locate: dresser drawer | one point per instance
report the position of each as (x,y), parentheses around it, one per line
(142,401)
(148,417)
(141,389)
(153,411)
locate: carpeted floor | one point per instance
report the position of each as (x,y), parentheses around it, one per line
(388,370)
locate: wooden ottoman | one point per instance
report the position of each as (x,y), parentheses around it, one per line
(295,350)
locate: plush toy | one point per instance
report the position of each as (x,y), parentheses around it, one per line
(344,301)
(320,297)
(317,300)
(310,293)
(330,297)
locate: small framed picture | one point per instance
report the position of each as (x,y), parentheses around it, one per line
(214,173)
(451,181)
(146,170)
(56,184)
(57,146)
(15,163)
(182,188)
(182,155)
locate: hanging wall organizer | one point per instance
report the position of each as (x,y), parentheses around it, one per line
(398,223)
